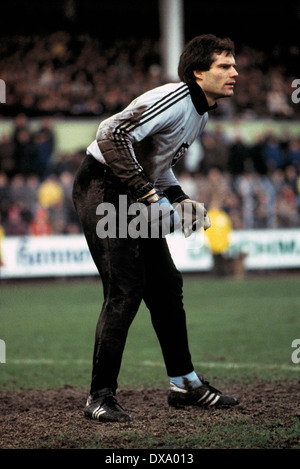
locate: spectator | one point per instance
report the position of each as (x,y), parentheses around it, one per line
(25,152)
(15,225)
(272,153)
(40,225)
(44,142)
(244,189)
(219,236)
(237,156)
(257,157)
(293,153)
(7,160)
(215,151)
(32,183)
(17,190)
(287,209)
(4,195)
(277,103)
(50,192)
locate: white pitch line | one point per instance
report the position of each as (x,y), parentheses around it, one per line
(45,361)
(147,363)
(229,365)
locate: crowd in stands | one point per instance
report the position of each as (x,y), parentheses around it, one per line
(257,183)
(77,75)
(80,75)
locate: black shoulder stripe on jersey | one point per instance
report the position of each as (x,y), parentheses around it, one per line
(166,98)
(158,107)
(144,121)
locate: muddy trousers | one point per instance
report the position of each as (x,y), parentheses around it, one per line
(132,270)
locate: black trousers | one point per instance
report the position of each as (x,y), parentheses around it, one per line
(132,270)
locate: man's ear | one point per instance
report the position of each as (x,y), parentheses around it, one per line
(198,74)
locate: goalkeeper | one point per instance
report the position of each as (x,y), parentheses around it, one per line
(133,155)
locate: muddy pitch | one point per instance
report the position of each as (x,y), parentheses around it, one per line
(53,419)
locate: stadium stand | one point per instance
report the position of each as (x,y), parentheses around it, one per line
(64,76)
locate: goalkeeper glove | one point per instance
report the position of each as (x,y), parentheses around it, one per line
(193,216)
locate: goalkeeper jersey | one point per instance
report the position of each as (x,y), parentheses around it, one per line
(144,141)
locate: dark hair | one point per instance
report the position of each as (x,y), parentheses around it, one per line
(198,54)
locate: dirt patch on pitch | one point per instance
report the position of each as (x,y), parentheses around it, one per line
(53,419)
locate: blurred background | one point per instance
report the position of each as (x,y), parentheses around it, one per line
(69,64)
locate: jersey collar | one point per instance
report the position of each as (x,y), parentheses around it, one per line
(198,98)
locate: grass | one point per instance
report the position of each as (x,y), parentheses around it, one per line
(237,329)
(244,433)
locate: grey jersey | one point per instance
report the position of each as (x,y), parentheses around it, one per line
(143,142)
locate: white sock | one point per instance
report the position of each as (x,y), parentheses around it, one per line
(191,377)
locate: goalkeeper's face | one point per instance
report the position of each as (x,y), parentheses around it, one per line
(219,80)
